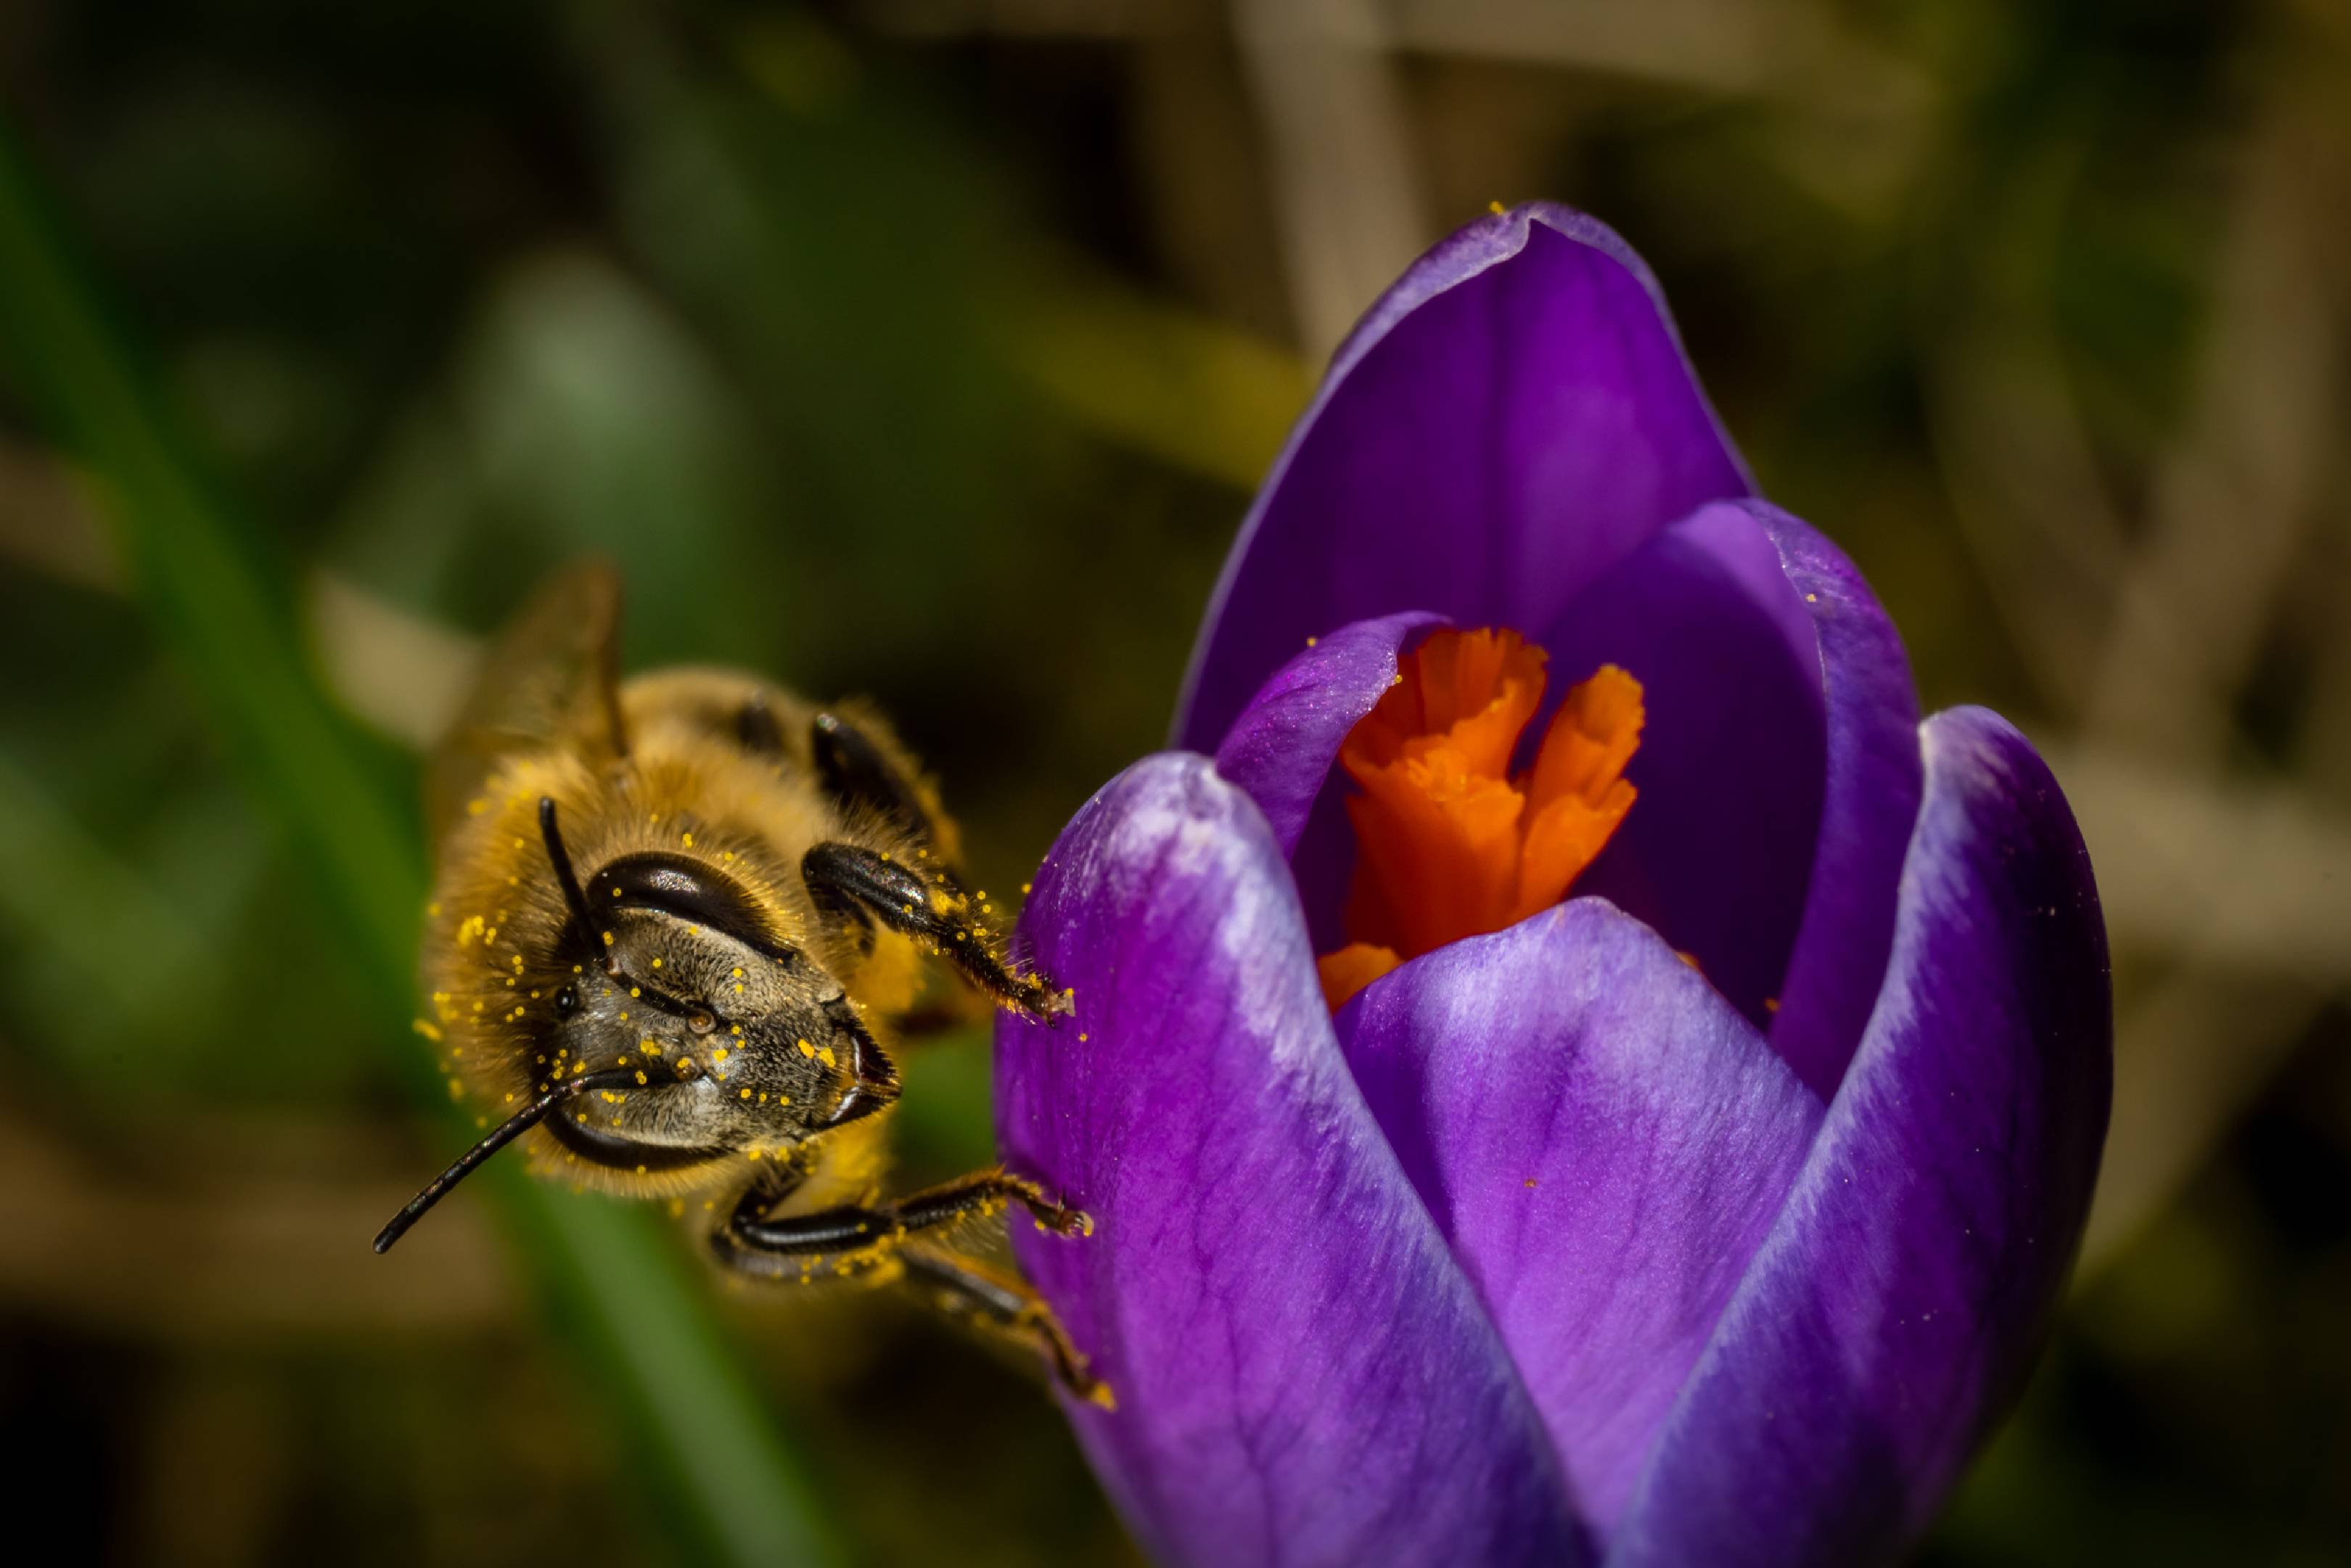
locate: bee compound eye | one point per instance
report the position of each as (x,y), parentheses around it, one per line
(567,1002)
(701,1021)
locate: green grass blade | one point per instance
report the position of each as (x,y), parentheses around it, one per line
(636,1320)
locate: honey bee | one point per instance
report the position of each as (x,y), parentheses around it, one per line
(675,922)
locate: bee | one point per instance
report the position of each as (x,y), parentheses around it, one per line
(675,922)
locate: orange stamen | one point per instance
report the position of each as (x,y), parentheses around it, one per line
(1449,842)
(1353,967)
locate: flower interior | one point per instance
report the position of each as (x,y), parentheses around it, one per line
(1449,842)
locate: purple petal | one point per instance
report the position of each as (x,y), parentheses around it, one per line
(1871,804)
(1283,746)
(1897,1303)
(1515,415)
(1604,1141)
(1717,852)
(1303,1373)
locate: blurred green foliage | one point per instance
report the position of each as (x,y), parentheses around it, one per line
(928,350)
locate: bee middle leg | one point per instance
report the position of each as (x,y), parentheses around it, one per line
(968,1288)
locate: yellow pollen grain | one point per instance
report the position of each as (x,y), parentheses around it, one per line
(746,1094)
(689,840)
(739,974)
(1311,641)
(826,1056)
(806,1048)
(635,992)
(657,963)
(427,1029)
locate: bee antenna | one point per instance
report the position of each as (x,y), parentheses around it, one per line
(499,1136)
(577,900)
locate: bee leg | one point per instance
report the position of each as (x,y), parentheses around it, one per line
(965,1287)
(862,885)
(856,767)
(852,1237)
(755,728)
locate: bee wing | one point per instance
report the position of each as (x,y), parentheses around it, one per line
(551,676)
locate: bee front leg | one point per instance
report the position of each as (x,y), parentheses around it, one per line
(929,905)
(858,767)
(852,1237)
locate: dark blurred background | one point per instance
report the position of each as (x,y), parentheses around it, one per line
(929,349)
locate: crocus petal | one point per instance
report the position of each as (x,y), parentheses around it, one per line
(1873,780)
(1717,852)
(1302,1373)
(1604,1141)
(1898,1300)
(1512,417)
(1281,747)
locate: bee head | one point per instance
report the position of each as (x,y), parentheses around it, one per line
(686,1034)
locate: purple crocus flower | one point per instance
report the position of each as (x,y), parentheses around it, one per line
(1707,1215)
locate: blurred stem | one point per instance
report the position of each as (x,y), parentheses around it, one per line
(639,1325)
